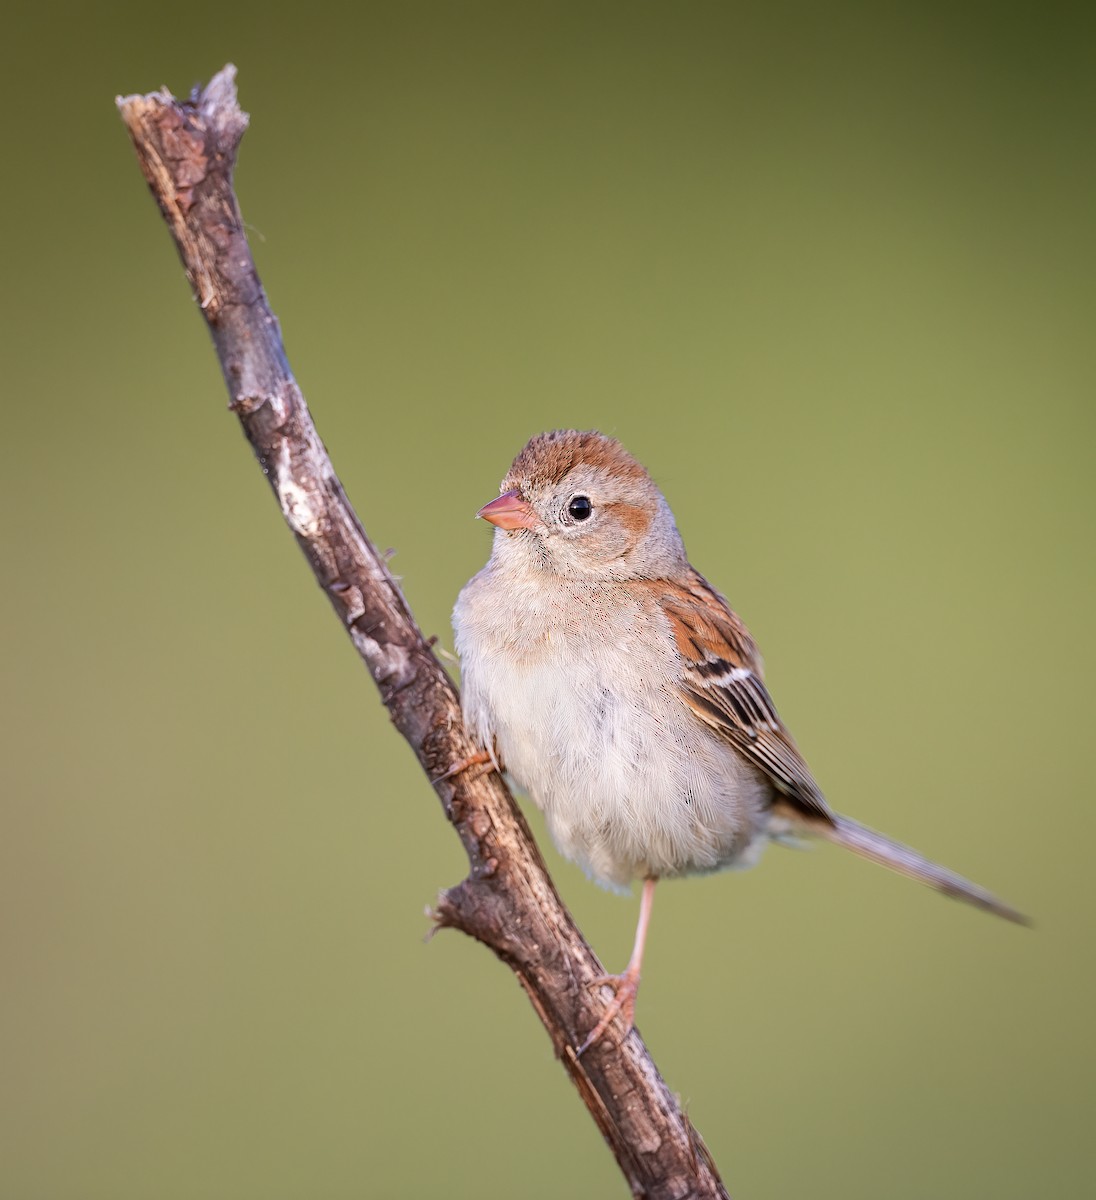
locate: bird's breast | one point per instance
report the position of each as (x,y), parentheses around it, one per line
(579,695)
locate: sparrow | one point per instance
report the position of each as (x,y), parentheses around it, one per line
(616,687)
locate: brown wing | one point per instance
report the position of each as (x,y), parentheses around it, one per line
(723,685)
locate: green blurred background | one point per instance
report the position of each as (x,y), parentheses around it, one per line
(828,270)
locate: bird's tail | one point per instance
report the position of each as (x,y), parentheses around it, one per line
(868,844)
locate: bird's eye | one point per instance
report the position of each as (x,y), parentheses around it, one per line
(580,508)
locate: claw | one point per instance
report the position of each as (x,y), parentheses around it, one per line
(473,760)
(625,989)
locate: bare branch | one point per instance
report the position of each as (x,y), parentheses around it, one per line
(187,150)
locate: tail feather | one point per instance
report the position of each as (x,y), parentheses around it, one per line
(889,853)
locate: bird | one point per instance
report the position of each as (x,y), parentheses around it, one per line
(618,689)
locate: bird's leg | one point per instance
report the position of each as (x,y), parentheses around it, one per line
(473,760)
(625,987)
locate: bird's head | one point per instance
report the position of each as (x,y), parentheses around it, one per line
(580,506)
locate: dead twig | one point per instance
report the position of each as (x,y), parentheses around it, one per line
(187,150)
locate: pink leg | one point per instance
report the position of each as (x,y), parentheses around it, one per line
(626,986)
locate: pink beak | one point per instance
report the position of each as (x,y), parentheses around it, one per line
(510,511)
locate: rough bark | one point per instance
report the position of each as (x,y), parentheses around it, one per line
(187,151)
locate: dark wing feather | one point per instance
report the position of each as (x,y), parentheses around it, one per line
(723,685)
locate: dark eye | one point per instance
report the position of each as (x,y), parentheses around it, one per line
(580,507)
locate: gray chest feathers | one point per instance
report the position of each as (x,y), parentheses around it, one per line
(583,708)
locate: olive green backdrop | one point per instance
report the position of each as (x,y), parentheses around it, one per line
(828,270)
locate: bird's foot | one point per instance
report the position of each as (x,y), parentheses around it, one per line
(623,1004)
(473,760)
